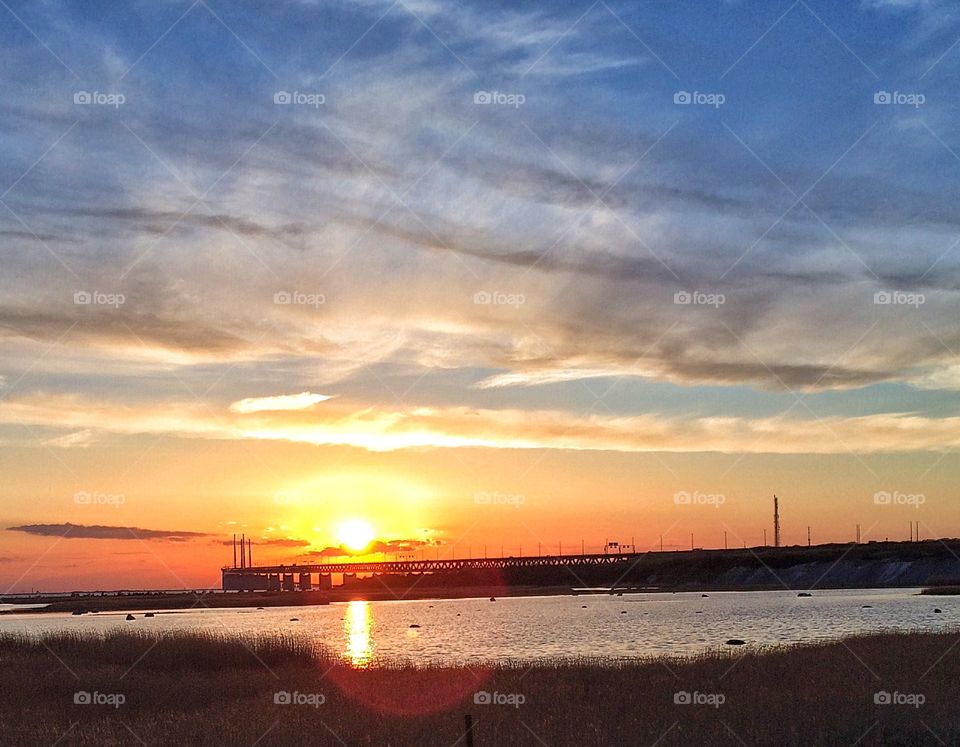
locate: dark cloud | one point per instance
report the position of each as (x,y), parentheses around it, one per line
(284,542)
(103,532)
(377,546)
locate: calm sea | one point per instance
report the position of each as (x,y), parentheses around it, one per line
(530,628)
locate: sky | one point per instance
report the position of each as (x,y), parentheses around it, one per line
(480,277)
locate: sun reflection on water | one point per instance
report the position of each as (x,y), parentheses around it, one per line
(356,627)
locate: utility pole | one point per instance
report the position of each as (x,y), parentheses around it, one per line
(724,540)
(661,543)
(764,537)
(858,534)
(691,541)
(808,535)
(776,521)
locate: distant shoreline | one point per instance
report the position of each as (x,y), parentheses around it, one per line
(93,603)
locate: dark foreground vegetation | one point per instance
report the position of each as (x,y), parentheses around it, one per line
(135,688)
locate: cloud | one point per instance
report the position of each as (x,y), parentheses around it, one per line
(380,428)
(389,547)
(278,542)
(102,532)
(279,402)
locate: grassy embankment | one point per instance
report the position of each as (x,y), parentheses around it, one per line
(206,690)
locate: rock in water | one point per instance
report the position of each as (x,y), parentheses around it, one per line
(414,626)
(736,642)
(131,617)
(937,610)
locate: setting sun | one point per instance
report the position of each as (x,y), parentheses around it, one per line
(355,534)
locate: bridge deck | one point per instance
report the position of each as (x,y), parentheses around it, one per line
(453,564)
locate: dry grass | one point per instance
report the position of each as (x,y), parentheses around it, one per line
(210,690)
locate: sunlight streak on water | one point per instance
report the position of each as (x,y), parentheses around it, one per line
(356,628)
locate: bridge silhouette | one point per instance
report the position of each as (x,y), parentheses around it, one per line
(299,575)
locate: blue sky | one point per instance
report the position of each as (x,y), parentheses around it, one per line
(501,226)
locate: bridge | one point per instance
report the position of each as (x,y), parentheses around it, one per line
(299,576)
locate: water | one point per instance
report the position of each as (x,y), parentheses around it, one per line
(462,631)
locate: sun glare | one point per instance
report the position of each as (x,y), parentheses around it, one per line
(355,534)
